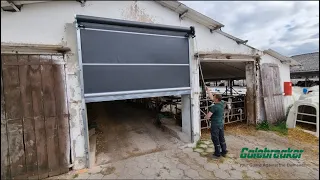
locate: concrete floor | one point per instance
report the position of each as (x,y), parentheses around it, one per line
(124,130)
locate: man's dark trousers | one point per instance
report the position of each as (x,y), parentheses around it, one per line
(217,137)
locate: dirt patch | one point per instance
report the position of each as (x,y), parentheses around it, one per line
(133,154)
(108,170)
(239,128)
(205,134)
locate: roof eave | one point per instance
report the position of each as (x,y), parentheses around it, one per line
(7,4)
(180,8)
(283,59)
(198,17)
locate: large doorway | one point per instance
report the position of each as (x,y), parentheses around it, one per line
(125,129)
(121,61)
(233,76)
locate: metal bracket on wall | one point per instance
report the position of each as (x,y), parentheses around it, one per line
(12,8)
(82,2)
(183,14)
(242,42)
(81,26)
(215,28)
(191,33)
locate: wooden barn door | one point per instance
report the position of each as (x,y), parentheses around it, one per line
(272,94)
(35,139)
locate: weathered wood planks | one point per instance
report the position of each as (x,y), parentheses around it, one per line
(271,88)
(29,131)
(34,117)
(14,116)
(5,168)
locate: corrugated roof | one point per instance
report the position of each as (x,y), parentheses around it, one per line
(309,62)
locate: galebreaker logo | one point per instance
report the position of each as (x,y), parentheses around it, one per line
(267,154)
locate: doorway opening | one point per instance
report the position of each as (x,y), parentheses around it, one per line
(127,128)
(233,76)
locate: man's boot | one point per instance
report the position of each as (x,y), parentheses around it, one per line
(224,149)
(216,154)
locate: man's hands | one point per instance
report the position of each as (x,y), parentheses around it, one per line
(210,95)
(207,89)
(208,116)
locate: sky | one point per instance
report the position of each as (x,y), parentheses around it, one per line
(288,27)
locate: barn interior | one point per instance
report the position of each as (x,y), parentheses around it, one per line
(126,128)
(228,78)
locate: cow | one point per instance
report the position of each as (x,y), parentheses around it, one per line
(237,107)
(228,109)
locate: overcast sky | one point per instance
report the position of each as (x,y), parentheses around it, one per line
(289,27)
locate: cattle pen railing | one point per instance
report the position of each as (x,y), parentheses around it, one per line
(234,111)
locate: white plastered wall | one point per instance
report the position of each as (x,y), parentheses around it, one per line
(44,23)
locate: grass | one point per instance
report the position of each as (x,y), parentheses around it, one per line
(245,175)
(198,145)
(280,127)
(298,134)
(75,176)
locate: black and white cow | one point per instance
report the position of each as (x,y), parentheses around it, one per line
(238,107)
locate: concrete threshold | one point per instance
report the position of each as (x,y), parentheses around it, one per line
(169,126)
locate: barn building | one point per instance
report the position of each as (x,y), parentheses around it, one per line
(65,63)
(306,75)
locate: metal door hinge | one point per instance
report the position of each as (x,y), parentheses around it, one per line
(81,26)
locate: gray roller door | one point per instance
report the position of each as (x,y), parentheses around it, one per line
(128,60)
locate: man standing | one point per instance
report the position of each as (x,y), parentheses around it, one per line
(215,114)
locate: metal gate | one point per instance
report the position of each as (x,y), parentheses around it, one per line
(35,140)
(130,60)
